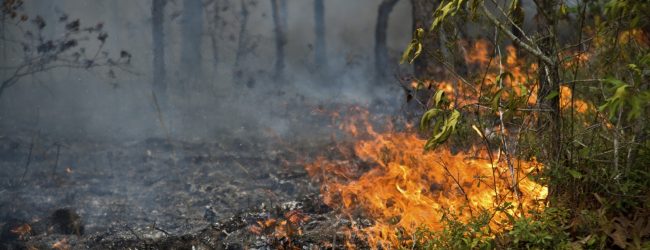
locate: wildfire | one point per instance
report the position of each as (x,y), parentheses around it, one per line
(387,176)
(407,188)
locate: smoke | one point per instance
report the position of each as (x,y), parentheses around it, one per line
(214,103)
(77,103)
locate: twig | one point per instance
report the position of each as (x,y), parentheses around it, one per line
(535,51)
(133,232)
(462,190)
(162,124)
(161,230)
(503,133)
(56,161)
(29,160)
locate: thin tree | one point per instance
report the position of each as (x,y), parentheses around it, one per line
(381,49)
(216,26)
(157,30)
(320,45)
(243,39)
(192,30)
(422,10)
(279,9)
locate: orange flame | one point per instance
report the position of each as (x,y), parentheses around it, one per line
(388,178)
(407,188)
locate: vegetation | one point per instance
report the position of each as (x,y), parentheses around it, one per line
(577,99)
(43,52)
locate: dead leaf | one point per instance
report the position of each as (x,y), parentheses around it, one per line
(61,244)
(22,230)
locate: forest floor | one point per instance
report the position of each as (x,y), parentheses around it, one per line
(229,193)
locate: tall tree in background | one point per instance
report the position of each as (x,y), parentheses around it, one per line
(279,9)
(319,46)
(157,28)
(423,10)
(242,46)
(381,49)
(192,30)
(217,25)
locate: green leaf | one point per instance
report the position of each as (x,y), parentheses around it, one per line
(407,52)
(503,76)
(437,97)
(575,174)
(418,50)
(427,116)
(494,102)
(442,130)
(551,95)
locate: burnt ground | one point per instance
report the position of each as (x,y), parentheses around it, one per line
(148,189)
(228,193)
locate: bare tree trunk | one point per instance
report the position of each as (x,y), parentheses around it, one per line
(381,49)
(320,48)
(192,29)
(424,65)
(157,26)
(548,94)
(279,9)
(242,42)
(215,26)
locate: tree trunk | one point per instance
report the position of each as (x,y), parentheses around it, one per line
(157,26)
(424,65)
(320,56)
(214,34)
(548,94)
(192,32)
(279,9)
(381,49)
(243,40)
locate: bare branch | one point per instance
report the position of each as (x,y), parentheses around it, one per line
(535,51)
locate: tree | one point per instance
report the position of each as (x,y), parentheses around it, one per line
(381,49)
(159,83)
(192,30)
(45,51)
(217,25)
(279,10)
(424,65)
(320,48)
(242,43)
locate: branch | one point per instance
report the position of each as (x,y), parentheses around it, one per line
(535,51)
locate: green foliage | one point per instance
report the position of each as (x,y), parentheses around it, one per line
(601,169)
(540,231)
(440,120)
(414,48)
(474,234)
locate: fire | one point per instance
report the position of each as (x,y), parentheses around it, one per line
(387,177)
(407,188)
(287,227)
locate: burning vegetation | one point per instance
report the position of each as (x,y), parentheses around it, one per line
(508,125)
(390,179)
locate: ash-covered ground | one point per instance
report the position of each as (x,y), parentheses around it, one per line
(163,192)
